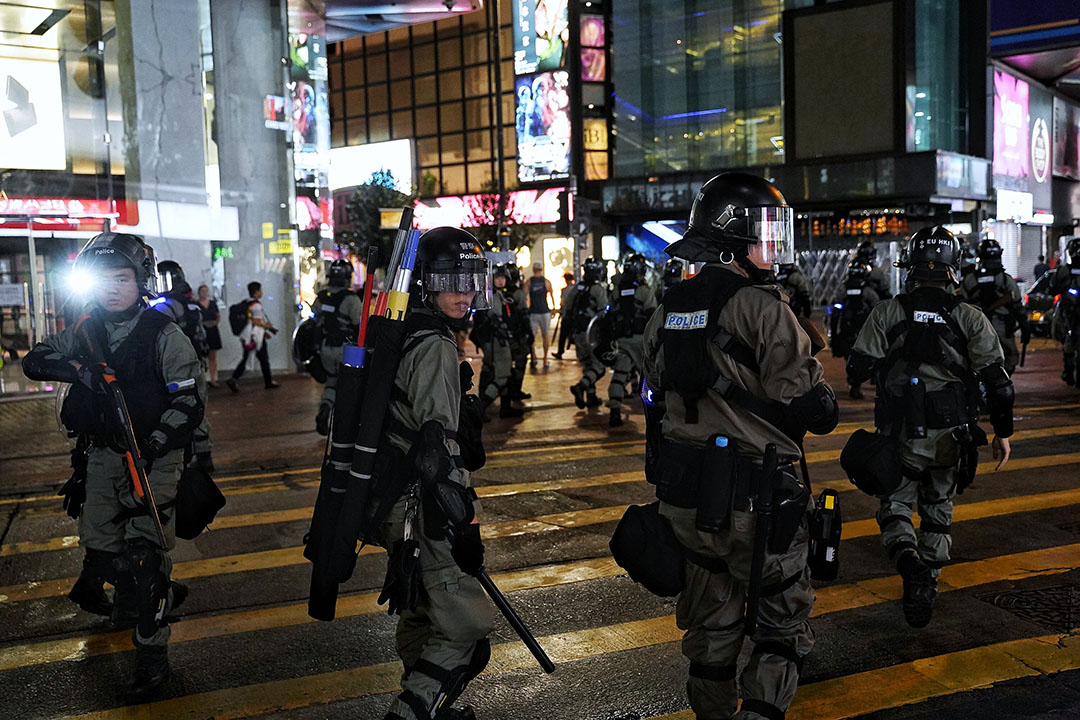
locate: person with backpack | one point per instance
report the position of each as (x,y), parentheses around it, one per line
(119,340)
(583,302)
(540,299)
(849,312)
(338,312)
(997,294)
(740,388)
(253,329)
(631,304)
(178,304)
(929,352)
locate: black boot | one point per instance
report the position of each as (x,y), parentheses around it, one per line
(1069,375)
(462,712)
(579,396)
(205,462)
(592,401)
(855,392)
(89,594)
(616,418)
(151,670)
(322,419)
(507,410)
(920,589)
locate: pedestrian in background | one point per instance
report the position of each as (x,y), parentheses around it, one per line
(568,283)
(1041,268)
(541,298)
(211,318)
(253,338)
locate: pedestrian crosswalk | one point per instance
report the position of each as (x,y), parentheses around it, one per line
(585,611)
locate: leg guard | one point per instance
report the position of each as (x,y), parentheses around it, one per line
(143,561)
(453,681)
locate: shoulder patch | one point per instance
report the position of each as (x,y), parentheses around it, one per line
(693,320)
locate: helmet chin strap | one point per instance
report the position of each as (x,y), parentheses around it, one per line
(753,271)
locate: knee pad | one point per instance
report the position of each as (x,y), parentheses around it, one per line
(142,560)
(462,675)
(99,565)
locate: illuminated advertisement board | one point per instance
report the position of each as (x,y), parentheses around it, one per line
(593,59)
(32,129)
(1066,139)
(354,164)
(541,35)
(524,207)
(543,126)
(1023,149)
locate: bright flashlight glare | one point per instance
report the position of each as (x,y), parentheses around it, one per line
(80,281)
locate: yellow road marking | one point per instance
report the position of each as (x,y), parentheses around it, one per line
(919,680)
(1037,655)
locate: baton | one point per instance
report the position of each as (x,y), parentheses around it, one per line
(764,508)
(515,621)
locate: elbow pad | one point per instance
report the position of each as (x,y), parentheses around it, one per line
(37,365)
(999,397)
(433,460)
(859,367)
(817,410)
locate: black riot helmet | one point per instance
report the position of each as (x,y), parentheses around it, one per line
(635,266)
(932,254)
(858,272)
(968,258)
(990,254)
(513,276)
(673,272)
(340,273)
(171,277)
(593,270)
(119,250)
(739,216)
(1072,253)
(450,259)
(866,252)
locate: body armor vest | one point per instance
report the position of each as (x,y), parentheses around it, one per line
(139,375)
(190,321)
(630,316)
(337,328)
(583,309)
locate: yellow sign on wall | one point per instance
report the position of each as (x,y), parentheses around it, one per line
(594,133)
(267,230)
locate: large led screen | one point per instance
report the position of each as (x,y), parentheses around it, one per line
(1011,156)
(543,127)
(541,35)
(32,128)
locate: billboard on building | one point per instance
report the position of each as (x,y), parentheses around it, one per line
(541,35)
(523,207)
(1023,119)
(32,130)
(543,126)
(354,164)
(1066,139)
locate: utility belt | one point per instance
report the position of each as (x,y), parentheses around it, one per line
(920,410)
(717,480)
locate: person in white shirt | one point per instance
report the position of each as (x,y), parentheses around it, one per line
(253,338)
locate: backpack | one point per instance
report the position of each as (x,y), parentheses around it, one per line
(238,316)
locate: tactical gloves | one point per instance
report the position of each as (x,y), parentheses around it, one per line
(467,549)
(401,588)
(93,376)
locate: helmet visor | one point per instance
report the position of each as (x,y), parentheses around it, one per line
(774,228)
(478,281)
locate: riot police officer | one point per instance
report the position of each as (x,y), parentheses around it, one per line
(791,279)
(849,312)
(338,312)
(1066,328)
(444,616)
(583,302)
(493,335)
(673,273)
(178,303)
(632,303)
(740,388)
(929,351)
(157,370)
(996,293)
(521,334)
(866,254)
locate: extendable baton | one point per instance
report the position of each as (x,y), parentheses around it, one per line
(765,509)
(132,458)
(515,621)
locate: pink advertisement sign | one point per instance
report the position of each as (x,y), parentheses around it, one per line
(524,207)
(1012,155)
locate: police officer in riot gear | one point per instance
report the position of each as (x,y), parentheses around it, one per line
(338,312)
(969,261)
(632,302)
(583,302)
(929,352)
(444,615)
(157,370)
(521,334)
(797,287)
(178,303)
(1066,327)
(866,254)
(740,387)
(673,273)
(996,293)
(493,334)
(849,312)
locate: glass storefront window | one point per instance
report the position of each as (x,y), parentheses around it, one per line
(403,125)
(479,175)
(427,122)
(936,119)
(377,98)
(477,113)
(453,179)
(427,151)
(476,81)
(453,148)
(378,128)
(356,131)
(476,49)
(479,144)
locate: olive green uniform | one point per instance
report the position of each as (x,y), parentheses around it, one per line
(710,607)
(629,357)
(1002,318)
(929,464)
(453,613)
(497,361)
(106,523)
(351,309)
(591,367)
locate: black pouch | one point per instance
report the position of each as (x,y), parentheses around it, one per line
(645,546)
(715,489)
(872,462)
(790,497)
(946,408)
(823,557)
(680,473)
(969,438)
(198,500)
(915,408)
(470,433)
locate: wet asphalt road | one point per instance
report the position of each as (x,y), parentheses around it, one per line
(1001,645)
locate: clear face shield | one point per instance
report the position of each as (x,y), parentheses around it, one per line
(463,281)
(774,227)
